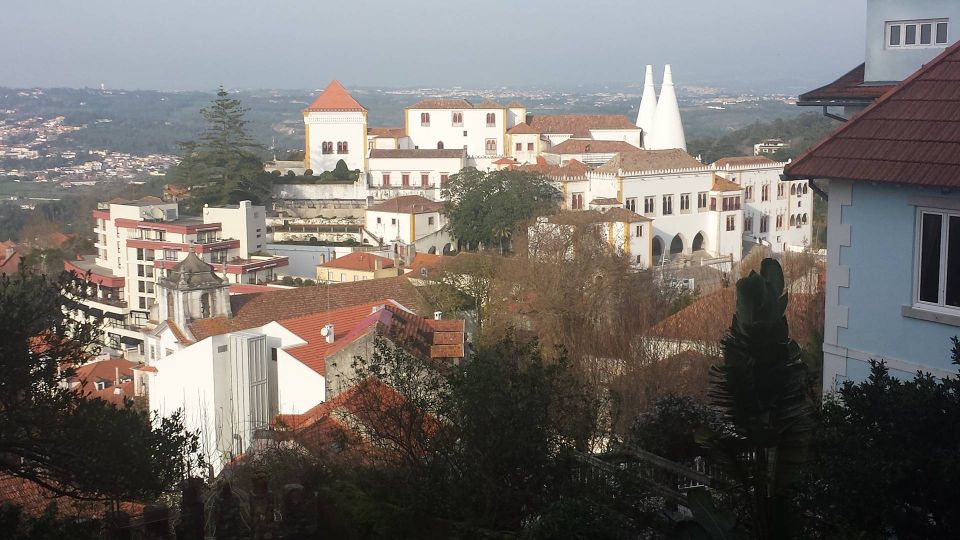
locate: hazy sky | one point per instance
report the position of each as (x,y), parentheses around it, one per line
(198,44)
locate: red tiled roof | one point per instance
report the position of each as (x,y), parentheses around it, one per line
(34,499)
(178,333)
(522,129)
(416,334)
(424,264)
(743,160)
(571,169)
(505,161)
(649,160)
(253,310)
(911,135)
(442,104)
(849,89)
(9,265)
(359,260)
(422,153)
(395,133)
(577,125)
(245,288)
(581,146)
(407,204)
(106,371)
(722,184)
(335,98)
(708,319)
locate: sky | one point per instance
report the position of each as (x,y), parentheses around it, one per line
(302,44)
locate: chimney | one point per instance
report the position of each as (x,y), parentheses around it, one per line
(116,376)
(648,105)
(667,124)
(327,332)
(437,315)
(377,264)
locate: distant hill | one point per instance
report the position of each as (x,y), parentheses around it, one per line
(151,122)
(799,132)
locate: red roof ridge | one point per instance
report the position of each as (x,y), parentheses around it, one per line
(335,98)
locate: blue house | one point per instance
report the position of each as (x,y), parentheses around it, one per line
(893,240)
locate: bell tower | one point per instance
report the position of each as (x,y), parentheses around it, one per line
(190,291)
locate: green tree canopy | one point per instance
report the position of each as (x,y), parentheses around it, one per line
(52,434)
(886,459)
(223,166)
(484,208)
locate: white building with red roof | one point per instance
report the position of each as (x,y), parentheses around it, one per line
(232,367)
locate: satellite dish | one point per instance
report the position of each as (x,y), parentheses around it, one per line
(325,331)
(157,213)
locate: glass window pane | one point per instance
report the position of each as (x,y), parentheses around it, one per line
(895,34)
(953,262)
(911,35)
(930,230)
(941,32)
(925,33)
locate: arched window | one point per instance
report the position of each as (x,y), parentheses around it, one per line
(793,189)
(425,119)
(804,189)
(793,220)
(439,145)
(804,219)
(343,148)
(491,119)
(339,147)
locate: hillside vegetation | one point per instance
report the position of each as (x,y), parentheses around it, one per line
(799,133)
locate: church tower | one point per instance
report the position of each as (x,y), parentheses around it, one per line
(191,291)
(667,124)
(335,125)
(648,107)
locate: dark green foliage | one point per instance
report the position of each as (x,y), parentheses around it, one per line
(54,436)
(308,172)
(761,388)
(341,172)
(886,462)
(485,208)
(223,166)
(800,132)
(670,429)
(14,525)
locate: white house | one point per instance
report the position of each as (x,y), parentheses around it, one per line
(893,240)
(233,367)
(410,222)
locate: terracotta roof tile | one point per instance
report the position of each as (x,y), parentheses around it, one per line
(649,160)
(911,135)
(571,169)
(253,310)
(335,98)
(581,146)
(849,88)
(359,260)
(578,125)
(424,264)
(522,129)
(395,133)
(722,184)
(407,204)
(442,104)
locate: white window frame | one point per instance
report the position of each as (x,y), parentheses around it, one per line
(940,306)
(902,25)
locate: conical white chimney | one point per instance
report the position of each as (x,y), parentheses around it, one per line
(648,106)
(667,125)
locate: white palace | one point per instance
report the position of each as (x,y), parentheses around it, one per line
(597,161)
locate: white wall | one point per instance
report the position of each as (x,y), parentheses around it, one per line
(441,129)
(631,136)
(336,127)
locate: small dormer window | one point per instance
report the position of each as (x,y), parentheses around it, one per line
(917,34)
(100,385)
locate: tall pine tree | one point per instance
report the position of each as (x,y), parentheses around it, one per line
(223,165)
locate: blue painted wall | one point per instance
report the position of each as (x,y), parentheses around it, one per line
(880,259)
